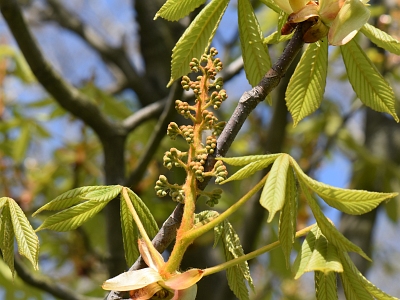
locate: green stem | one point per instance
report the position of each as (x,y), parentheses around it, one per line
(195,233)
(251,255)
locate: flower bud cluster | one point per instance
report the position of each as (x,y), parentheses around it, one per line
(220,172)
(173,158)
(214,197)
(211,144)
(164,188)
(183,108)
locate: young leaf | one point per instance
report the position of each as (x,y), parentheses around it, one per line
(27,240)
(271,4)
(197,38)
(149,224)
(381,38)
(274,192)
(307,85)
(245,160)
(73,217)
(352,281)
(129,234)
(173,10)
(317,254)
(107,193)
(276,38)
(7,238)
(327,229)
(325,286)
(354,202)
(251,168)
(287,219)
(21,144)
(255,54)
(367,82)
(78,195)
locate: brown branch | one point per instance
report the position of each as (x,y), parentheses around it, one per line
(246,105)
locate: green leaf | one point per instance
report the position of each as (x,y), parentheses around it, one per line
(245,160)
(352,281)
(255,54)
(317,254)
(7,238)
(129,234)
(21,144)
(22,69)
(79,195)
(381,38)
(287,219)
(274,192)
(251,168)
(307,85)
(272,5)
(107,193)
(369,287)
(73,217)
(173,10)
(367,82)
(149,224)
(325,286)
(27,240)
(354,202)
(328,230)
(197,38)
(276,38)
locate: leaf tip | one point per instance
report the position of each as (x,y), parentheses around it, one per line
(171,81)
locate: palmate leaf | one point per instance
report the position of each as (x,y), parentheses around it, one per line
(7,237)
(147,219)
(367,82)
(78,195)
(274,191)
(197,38)
(307,85)
(251,168)
(288,217)
(255,54)
(317,254)
(27,240)
(73,217)
(173,10)
(381,38)
(354,202)
(129,234)
(325,286)
(326,227)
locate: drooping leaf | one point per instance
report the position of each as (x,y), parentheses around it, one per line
(276,38)
(251,168)
(307,85)
(317,254)
(197,38)
(107,193)
(132,280)
(21,144)
(352,281)
(282,19)
(274,192)
(255,54)
(272,5)
(173,10)
(288,216)
(381,38)
(27,240)
(327,229)
(7,238)
(245,160)
(325,286)
(367,82)
(129,234)
(76,196)
(147,219)
(73,217)
(354,202)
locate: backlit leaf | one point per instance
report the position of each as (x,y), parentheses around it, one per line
(381,38)
(73,217)
(7,238)
(325,286)
(274,192)
(107,193)
(272,5)
(129,234)
(21,144)
(245,160)
(288,216)
(173,10)
(255,54)
(307,85)
(27,240)
(197,38)
(367,82)
(354,202)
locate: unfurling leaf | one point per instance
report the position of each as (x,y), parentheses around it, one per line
(129,234)
(381,38)
(367,82)
(307,85)
(7,238)
(132,280)
(245,160)
(273,195)
(173,10)
(325,285)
